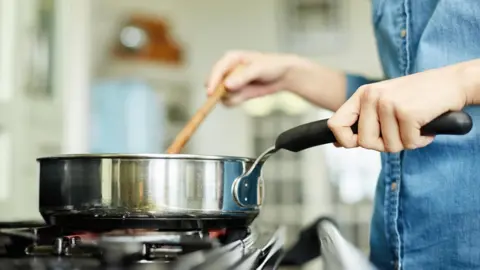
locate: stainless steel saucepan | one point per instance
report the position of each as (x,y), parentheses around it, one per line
(176,192)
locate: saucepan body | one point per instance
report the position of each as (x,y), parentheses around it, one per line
(153,186)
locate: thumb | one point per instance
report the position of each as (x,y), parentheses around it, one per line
(342,120)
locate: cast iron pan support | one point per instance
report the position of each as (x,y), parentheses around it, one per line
(317,133)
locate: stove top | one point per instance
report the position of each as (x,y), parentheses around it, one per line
(39,247)
(48,247)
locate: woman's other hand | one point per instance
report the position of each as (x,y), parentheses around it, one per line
(398,108)
(263,74)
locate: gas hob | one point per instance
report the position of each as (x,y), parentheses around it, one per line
(40,247)
(58,248)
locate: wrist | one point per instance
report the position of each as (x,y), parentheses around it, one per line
(470,81)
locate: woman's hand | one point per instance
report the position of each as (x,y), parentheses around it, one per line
(398,108)
(264,74)
(267,73)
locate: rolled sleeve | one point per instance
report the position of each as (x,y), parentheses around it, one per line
(354,82)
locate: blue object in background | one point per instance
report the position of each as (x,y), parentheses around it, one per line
(126,117)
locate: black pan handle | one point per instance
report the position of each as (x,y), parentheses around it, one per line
(317,133)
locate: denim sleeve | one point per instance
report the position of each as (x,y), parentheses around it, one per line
(354,82)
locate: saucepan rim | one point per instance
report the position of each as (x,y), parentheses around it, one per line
(146,156)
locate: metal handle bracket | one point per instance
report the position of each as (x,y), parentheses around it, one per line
(243,179)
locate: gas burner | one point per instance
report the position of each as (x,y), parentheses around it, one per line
(146,232)
(59,248)
(125,248)
(134,243)
(153,245)
(152,237)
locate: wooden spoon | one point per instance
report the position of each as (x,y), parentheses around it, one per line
(184,136)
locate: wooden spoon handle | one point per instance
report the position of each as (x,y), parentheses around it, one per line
(184,136)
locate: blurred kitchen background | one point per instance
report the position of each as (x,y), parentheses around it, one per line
(82,76)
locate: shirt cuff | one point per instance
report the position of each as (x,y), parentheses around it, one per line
(354,82)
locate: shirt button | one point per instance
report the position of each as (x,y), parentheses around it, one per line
(393,186)
(403,33)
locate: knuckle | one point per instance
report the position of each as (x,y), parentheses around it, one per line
(385,103)
(402,113)
(369,93)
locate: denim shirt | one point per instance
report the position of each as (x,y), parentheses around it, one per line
(427,204)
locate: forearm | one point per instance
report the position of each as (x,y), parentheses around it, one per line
(321,86)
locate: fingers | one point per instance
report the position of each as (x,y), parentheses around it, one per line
(249,74)
(410,132)
(385,122)
(340,123)
(223,66)
(392,141)
(368,123)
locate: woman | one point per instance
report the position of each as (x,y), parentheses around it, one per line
(427,204)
